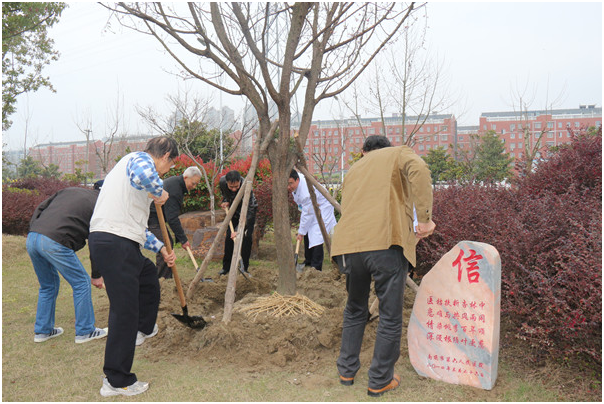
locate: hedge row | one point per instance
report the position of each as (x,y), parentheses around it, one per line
(548,231)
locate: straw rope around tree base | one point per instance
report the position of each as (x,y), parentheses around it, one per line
(278,306)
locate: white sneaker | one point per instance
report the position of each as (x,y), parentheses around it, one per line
(141,337)
(137,387)
(39,337)
(96,334)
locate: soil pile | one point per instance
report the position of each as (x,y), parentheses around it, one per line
(260,341)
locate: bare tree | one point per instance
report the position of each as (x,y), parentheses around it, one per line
(191,112)
(270,53)
(532,145)
(111,134)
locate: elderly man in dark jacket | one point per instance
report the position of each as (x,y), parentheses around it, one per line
(229,186)
(177,187)
(58,228)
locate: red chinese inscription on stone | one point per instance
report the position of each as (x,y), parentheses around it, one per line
(471,265)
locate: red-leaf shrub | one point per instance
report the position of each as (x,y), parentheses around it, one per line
(264,215)
(21,197)
(548,232)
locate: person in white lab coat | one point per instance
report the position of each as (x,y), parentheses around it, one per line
(309,229)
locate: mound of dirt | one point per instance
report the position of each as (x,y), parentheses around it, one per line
(263,341)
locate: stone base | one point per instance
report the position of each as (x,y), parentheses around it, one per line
(200,232)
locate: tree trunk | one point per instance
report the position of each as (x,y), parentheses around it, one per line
(286,284)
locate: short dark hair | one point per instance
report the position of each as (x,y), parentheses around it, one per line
(375,142)
(98,184)
(294,175)
(158,146)
(233,176)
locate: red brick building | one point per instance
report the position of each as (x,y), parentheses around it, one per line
(89,156)
(541,129)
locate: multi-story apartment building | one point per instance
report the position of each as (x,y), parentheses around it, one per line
(541,129)
(330,143)
(94,156)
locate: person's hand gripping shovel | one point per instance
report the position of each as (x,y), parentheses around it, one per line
(196,322)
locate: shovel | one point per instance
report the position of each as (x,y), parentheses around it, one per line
(196,322)
(197,266)
(296,256)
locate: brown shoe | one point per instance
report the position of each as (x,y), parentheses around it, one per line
(394,383)
(346,381)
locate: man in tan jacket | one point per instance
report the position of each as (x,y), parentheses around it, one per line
(375,237)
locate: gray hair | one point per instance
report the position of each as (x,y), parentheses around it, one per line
(192,172)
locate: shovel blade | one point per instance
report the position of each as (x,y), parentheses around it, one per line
(195,322)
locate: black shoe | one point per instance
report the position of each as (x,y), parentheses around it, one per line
(346,381)
(223,272)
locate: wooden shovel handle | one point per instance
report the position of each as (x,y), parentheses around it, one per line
(164,232)
(193,258)
(297,246)
(230,221)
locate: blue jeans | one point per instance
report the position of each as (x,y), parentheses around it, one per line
(51,259)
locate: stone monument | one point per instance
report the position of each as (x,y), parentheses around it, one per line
(453,332)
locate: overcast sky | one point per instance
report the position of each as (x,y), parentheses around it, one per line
(551,52)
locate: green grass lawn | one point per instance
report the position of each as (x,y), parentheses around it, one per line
(60,370)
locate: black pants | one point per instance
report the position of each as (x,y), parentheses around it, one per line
(133,291)
(246,246)
(313,257)
(163,270)
(389,271)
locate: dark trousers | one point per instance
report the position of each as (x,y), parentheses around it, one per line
(313,257)
(133,291)
(389,271)
(163,270)
(246,246)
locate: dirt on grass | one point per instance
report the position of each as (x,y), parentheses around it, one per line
(259,342)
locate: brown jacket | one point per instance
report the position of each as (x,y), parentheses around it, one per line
(378,194)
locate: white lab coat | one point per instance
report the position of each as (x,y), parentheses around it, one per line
(308,221)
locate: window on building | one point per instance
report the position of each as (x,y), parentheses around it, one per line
(512,136)
(550,135)
(577,125)
(460,138)
(421,128)
(444,128)
(428,147)
(559,125)
(421,147)
(350,132)
(550,125)
(372,131)
(537,125)
(484,127)
(427,129)
(398,130)
(512,154)
(435,138)
(520,145)
(503,131)
(520,136)
(444,137)
(358,131)
(493,126)
(436,129)
(315,141)
(512,146)
(512,126)
(357,140)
